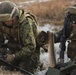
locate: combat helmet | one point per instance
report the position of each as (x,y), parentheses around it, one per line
(8,10)
(71,9)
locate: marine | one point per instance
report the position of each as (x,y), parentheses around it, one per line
(18,32)
(68,33)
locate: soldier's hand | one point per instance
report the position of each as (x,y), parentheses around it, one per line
(10,58)
(42,38)
(45,47)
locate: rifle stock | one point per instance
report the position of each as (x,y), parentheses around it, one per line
(17,68)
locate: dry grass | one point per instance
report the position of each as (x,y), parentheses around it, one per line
(51,11)
(16,1)
(7,72)
(10,73)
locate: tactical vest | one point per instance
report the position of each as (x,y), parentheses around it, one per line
(10,33)
(13,33)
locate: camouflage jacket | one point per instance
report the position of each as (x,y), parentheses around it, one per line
(24,32)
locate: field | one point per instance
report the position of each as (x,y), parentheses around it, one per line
(52,12)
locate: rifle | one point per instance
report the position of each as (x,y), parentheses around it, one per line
(17,68)
(2,57)
(6,50)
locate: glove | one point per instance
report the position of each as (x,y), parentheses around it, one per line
(61,65)
(10,58)
(42,38)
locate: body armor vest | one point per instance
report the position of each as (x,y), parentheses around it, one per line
(13,34)
(10,33)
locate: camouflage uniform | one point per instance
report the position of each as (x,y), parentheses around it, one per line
(71,50)
(68,33)
(23,33)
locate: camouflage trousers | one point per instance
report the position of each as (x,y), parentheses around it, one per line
(30,64)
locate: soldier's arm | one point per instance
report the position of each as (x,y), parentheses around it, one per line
(57,36)
(63,34)
(27,39)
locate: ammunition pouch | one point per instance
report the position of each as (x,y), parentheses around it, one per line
(14,46)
